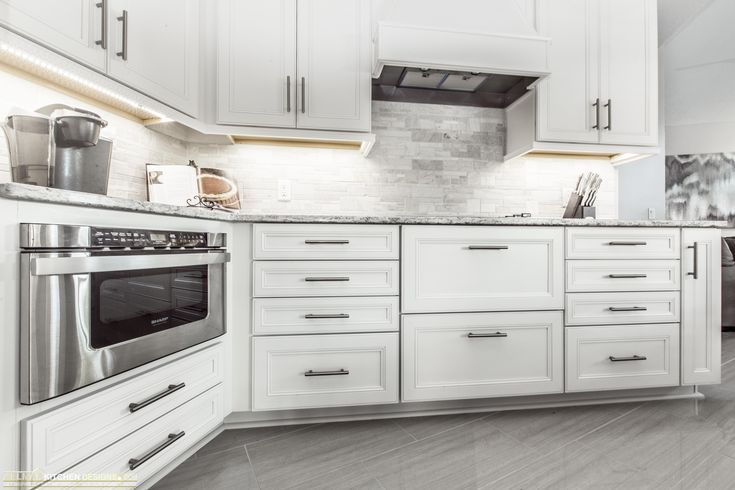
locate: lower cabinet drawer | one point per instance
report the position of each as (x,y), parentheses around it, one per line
(313,371)
(279,316)
(58,439)
(622,308)
(622,357)
(145,452)
(479,355)
(622,275)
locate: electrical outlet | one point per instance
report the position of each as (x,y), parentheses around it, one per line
(284,190)
(651,213)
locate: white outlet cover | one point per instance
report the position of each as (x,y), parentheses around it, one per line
(284,190)
(651,213)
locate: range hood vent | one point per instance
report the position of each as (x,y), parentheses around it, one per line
(435,86)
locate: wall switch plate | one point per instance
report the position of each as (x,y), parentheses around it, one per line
(651,213)
(284,190)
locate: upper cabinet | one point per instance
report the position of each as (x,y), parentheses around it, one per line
(154,48)
(603,86)
(74,28)
(294,64)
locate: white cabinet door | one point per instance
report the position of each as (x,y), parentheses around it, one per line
(479,355)
(565,99)
(154,48)
(71,27)
(256,63)
(334,65)
(701,306)
(629,72)
(482,268)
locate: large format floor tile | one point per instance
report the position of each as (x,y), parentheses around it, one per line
(226,470)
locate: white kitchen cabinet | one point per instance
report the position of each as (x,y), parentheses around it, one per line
(603,86)
(494,268)
(622,243)
(333,58)
(154,48)
(72,28)
(479,355)
(256,63)
(295,64)
(701,306)
(629,72)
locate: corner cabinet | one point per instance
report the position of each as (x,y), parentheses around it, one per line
(71,28)
(701,306)
(154,48)
(294,64)
(604,63)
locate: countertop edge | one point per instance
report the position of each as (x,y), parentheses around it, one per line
(24,192)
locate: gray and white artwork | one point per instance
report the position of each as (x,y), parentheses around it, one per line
(701,187)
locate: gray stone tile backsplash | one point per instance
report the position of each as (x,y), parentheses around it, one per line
(428,160)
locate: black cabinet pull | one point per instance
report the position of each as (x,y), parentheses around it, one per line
(609,115)
(629,244)
(134,407)
(312,316)
(627,276)
(102,43)
(486,335)
(628,308)
(695,271)
(631,358)
(288,93)
(326,279)
(596,105)
(488,247)
(327,242)
(341,372)
(134,463)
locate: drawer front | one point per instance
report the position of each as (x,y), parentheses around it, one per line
(324,242)
(54,441)
(622,357)
(190,422)
(622,275)
(338,278)
(622,308)
(623,243)
(278,316)
(461,268)
(324,371)
(478,355)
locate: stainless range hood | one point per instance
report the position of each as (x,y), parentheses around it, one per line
(425,52)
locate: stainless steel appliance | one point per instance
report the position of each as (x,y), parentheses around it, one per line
(59,146)
(97,301)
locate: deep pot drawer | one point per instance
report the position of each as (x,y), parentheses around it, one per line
(279,316)
(622,308)
(622,275)
(56,440)
(622,357)
(623,243)
(464,268)
(325,278)
(314,371)
(159,443)
(478,355)
(325,242)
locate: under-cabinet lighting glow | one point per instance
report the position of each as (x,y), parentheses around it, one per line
(48,71)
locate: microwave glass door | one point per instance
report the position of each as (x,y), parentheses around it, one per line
(130,304)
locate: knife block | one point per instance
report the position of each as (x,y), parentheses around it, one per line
(586,212)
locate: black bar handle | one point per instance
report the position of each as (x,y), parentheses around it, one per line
(288,93)
(695,272)
(486,335)
(488,247)
(596,105)
(627,243)
(628,308)
(312,316)
(134,463)
(134,407)
(609,115)
(627,276)
(327,242)
(624,359)
(326,279)
(311,373)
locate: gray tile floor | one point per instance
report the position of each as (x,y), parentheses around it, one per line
(643,445)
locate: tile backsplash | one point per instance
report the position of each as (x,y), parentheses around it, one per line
(428,160)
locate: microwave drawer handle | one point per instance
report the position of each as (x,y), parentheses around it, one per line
(134,407)
(59,266)
(134,463)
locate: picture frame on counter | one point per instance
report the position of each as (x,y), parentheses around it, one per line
(178,184)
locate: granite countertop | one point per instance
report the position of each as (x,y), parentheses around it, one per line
(23,192)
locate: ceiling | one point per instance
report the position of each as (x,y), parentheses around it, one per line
(674,15)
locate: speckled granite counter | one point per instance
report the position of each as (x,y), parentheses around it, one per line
(24,192)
